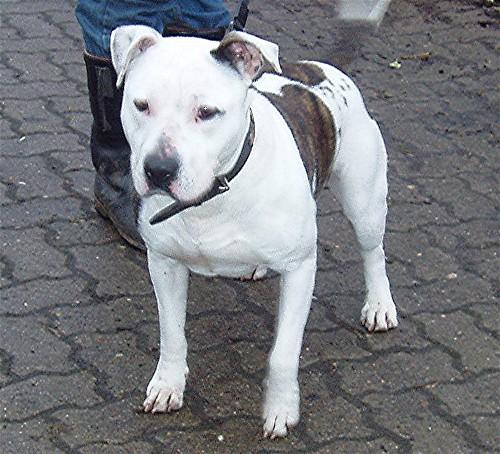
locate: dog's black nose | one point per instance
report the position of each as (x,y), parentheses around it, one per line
(160,171)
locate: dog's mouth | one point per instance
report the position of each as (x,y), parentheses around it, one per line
(174,192)
(150,192)
(219,186)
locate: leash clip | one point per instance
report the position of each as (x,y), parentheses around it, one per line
(240,18)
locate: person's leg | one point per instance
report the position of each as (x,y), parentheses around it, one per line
(203,18)
(115,197)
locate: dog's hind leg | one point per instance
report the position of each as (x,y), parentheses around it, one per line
(360,184)
(166,388)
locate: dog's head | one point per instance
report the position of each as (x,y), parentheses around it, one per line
(185,104)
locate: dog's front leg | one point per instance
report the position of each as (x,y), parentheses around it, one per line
(170,281)
(281,400)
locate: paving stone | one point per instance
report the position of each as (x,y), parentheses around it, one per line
(37,348)
(121,448)
(4,281)
(115,422)
(475,396)
(3,376)
(487,429)
(32,178)
(331,345)
(250,437)
(82,182)
(485,184)
(336,420)
(15,441)
(4,199)
(388,372)
(205,296)
(71,105)
(488,316)
(29,8)
(405,337)
(344,279)
(111,354)
(40,394)
(79,122)
(236,397)
(223,327)
(39,88)
(35,24)
(432,263)
(40,143)
(457,331)
(100,263)
(8,128)
(32,255)
(33,296)
(410,416)
(252,357)
(381,444)
(40,211)
(319,319)
(91,231)
(35,67)
(344,310)
(68,162)
(477,233)
(220,366)
(222,439)
(464,204)
(407,216)
(484,262)
(337,238)
(86,316)
(446,294)
(30,44)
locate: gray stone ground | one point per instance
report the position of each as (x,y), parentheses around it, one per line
(79,337)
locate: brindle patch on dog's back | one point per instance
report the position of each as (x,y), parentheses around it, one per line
(305,73)
(312,126)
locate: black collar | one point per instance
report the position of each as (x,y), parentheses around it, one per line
(220,185)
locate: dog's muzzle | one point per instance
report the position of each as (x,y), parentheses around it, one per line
(160,171)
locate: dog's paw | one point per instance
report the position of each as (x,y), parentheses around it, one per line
(165,392)
(281,412)
(379,314)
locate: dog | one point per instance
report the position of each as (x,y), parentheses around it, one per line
(229,150)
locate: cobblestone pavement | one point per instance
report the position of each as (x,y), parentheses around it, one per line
(79,336)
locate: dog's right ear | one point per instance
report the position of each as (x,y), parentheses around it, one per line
(127,42)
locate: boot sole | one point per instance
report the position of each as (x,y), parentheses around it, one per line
(103,212)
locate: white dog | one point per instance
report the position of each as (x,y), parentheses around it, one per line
(227,159)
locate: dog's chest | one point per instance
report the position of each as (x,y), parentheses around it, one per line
(223,251)
(230,242)
(216,250)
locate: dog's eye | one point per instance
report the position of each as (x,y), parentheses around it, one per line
(141,105)
(207,113)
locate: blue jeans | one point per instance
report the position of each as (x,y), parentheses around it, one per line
(98,18)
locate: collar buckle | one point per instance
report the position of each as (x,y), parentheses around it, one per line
(223,184)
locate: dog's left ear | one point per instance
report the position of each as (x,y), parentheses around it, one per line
(126,43)
(247,54)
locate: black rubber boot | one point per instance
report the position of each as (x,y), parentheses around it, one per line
(115,196)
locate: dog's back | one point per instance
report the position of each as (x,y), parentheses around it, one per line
(312,97)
